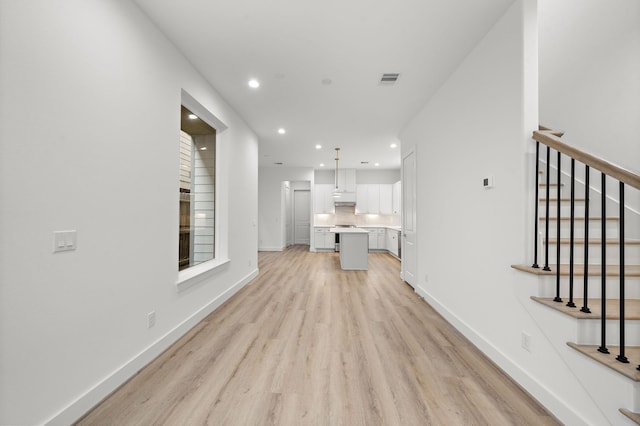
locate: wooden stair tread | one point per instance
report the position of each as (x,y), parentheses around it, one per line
(594,270)
(631,415)
(595,241)
(609,360)
(631,308)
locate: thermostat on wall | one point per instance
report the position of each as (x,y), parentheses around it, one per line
(487,182)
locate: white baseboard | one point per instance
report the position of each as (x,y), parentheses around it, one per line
(543,394)
(271,248)
(104,388)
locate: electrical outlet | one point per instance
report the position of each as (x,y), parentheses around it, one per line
(151,319)
(526,341)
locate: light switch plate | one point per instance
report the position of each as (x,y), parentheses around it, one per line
(487,182)
(64,240)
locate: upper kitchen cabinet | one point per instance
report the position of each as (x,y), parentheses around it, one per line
(373,198)
(323,198)
(368,198)
(397,197)
(362,198)
(347,180)
(386,198)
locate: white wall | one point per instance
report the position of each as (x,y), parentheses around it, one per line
(271,203)
(590,75)
(590,84)
(479,123)
(89,127)
(362,176)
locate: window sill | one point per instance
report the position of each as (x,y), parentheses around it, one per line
(197,273)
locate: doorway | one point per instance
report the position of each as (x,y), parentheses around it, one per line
(302,216)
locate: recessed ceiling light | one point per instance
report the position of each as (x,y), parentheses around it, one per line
(282,131)
(321,164)
(253,83)
(204,148)
(193,116)
(376,164)
(394,145)
(318,146)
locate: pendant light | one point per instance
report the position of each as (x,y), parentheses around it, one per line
(337,193)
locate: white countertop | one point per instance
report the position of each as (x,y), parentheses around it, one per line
(364,227)
(348,231)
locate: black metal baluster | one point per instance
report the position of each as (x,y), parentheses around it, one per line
(558,202)
(603,268)
(621,357)
(571,304)
(585,307)
(536,218)
(546,223)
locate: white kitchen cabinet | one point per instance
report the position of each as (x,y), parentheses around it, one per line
(324,240)
(386,198)
(347,180)
(373,239)
(377,239)
(392,237)
(373,198)
(362,198)
(323,197)
(397,197)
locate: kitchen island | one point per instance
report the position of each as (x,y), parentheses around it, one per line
(354,248)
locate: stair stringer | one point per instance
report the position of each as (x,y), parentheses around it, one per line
(605,390)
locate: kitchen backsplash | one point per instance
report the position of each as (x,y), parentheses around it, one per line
(346,216)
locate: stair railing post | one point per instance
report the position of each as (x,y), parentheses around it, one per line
(546,223)
(622,357)
(558,202)
(571,304)
(585,306)
(536,219)
(603,267)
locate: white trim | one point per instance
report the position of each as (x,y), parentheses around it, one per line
(271,248)
(197,273)
(544,395)
(106,386)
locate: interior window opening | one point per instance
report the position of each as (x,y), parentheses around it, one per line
(197,191)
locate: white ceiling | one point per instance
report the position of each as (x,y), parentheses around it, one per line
(290,46)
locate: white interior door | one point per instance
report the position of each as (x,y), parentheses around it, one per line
(302,216)
(409,249)
(288,215)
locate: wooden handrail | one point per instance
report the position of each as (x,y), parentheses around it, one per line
(548,138)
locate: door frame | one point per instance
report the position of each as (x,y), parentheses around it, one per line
(403,178)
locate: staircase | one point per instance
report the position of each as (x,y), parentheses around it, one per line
(587,263)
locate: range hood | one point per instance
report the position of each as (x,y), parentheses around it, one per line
(344,199)
(345,204)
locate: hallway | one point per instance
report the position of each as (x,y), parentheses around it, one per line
(308,343)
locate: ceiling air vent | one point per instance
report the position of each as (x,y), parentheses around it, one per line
(389,78)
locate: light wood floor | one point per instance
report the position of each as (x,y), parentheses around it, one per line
(306,343)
